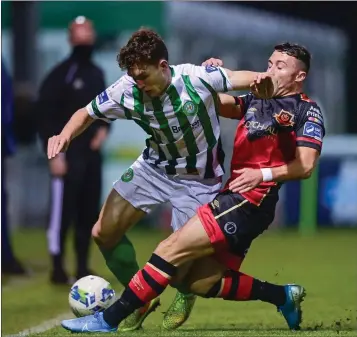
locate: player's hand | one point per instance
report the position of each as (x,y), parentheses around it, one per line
(99,138)
(248,180)
(58,165)
(264,86)
(213,62)
(57,144)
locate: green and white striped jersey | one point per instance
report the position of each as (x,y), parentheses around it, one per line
(183,123)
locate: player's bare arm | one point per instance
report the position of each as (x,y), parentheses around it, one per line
(79,122)
(300,168)
(262,85)
(228,107)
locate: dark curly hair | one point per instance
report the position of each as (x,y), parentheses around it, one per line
(144,47)
(297,51)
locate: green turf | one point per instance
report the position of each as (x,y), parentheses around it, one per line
(325,264)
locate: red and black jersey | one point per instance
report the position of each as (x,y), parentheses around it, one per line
(269,133)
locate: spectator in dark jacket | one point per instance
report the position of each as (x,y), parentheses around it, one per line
(76,175)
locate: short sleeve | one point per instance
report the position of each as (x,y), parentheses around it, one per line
(310,128)
(106,105)
(216,77)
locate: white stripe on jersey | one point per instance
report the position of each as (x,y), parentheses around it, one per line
(185,126)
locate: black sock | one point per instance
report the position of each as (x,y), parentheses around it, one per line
(122,308)
(144,286)
(268,292)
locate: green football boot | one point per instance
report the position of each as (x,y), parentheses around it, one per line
(179,311)
(136,319)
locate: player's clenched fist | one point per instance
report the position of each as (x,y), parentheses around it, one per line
(264,86)
(57,144)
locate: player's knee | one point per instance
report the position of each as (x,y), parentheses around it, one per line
(102,238)
(97,234)
(163,250)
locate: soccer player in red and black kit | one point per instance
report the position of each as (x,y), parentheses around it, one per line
(277,140)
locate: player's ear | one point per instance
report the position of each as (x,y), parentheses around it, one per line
(163,64)
(300,76)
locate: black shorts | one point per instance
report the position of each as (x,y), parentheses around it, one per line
(232,223)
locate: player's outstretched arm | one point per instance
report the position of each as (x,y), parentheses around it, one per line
(262,85)
(79,122)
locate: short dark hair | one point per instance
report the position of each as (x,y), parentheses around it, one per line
(144,47)
(297,51)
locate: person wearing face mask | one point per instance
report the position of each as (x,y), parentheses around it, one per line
(75,176)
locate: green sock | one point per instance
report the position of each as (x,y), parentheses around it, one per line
(121,260)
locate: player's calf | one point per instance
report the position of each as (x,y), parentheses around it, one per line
(188,243)
(181,307)
(203,274)
(236,286)
(146,284)
(209,278)
(116,217)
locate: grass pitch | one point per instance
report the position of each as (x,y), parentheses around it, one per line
(326,264)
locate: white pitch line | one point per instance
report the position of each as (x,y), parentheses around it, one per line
(44,326)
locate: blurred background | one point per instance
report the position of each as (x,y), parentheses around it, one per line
(34,40)
(242,34)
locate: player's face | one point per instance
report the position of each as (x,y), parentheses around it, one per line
(153,80)
(287,69)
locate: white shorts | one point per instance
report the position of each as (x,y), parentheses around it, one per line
(145,187)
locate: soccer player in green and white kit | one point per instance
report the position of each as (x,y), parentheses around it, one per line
(183,159)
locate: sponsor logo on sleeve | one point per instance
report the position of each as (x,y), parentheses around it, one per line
(313,130)
(103,97)
(211,69)
(315,113)
(313,119)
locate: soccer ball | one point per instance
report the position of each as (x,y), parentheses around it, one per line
(89,295)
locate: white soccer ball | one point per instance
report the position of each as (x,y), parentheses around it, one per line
(89,295)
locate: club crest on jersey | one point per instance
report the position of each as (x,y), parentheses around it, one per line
(127,175)
(190,108)
(284,118)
